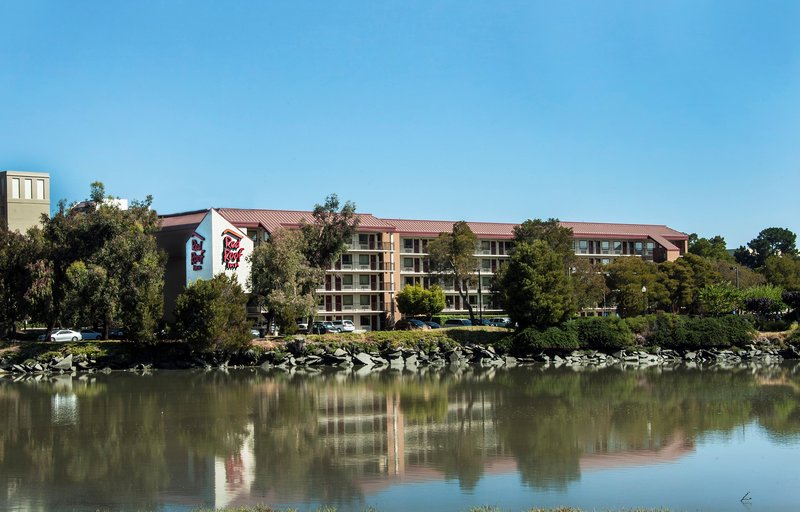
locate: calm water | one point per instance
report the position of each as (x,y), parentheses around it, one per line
(683,439)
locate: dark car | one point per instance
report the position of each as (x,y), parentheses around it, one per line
(457,322)
(410,324)
(323,328)
(433,325)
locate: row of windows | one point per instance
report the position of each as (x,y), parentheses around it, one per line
(638,248)
(27,188)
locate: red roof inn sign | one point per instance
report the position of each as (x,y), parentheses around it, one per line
(215,247)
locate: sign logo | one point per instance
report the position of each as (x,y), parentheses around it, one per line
(197,255)
(231,249)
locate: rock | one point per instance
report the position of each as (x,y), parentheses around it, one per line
(340,352)
(363,359)
(64,364)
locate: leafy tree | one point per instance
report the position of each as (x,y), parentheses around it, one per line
(99,265)
(765,300)
(683,278)
(588,283)
(558,237)
(719,298)
(783,271)
(453,254)
(712,248)
(769,242)
(15,278)
(536,289)
(414,300)
(333,227)
(626,277)
(282,280)
(737,274)
(212,314)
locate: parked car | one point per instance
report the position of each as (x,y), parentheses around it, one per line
(411,324)
(302,327)
(344,325)
(433,325)
(500,322)
(62,335)
(323,328)
(88,334)
(117,334)
(457,322)
(255,332)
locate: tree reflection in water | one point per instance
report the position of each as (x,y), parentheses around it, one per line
(139,441)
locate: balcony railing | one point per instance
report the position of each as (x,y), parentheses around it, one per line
(374,246)
(376,287)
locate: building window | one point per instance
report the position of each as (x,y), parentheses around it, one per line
(364,300)
(583,247)
(363,280)
(347,279)
(605,247)
(39,189)
(638,246)
(486,264)
(485,247)
(617,247)
(408,244)
(347,259)
(363,260)
(650,247)
(14,188)
(28,188)
(347,300)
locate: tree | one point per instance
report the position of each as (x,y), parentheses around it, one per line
(414,300)
(737,274)
(588,283)
(212,314)
(326,238)
(282,280)
(713,248)
(558,237)
(15,278)
(536,289)
(783,271)
(719,299)
(99,265)
(683,278)
(636,286)
(453,254)
(769,242)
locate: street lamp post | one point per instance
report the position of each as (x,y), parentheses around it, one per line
(646,305)
(480,297)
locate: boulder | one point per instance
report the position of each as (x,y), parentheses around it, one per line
(63,364)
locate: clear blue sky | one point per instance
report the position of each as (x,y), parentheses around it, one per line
(684,113)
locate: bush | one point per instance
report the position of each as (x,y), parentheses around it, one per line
(603,333)
(673,331)
(211,314)
(558,338)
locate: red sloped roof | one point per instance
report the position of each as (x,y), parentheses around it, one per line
(434,227)
(610,230)
(183,220)
(275,219)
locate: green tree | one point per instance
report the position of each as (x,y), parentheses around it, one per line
(99,265)
(453,254)
(683,278)
(414,300)
(769,242)
(212,315)
(719,299)
(333,227)
(713,248)
(558,237)
(783,271)
(15,278)
(282,280)
(737,274)
(536,289)
(588,283)
(636,286)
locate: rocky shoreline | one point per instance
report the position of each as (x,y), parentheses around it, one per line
(298,354)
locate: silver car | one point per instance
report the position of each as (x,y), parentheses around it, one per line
(64,335)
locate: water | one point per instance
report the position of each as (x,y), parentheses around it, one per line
(517,438)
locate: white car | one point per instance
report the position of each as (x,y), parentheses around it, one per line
(63,335)
(344,325)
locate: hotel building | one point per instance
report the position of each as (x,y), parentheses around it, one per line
(384,256)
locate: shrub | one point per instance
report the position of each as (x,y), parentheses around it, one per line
(668,331)
(642,324)
(603,333)
(211,314)
(673,331)
(558,338)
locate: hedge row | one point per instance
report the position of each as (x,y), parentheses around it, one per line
(613,333)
